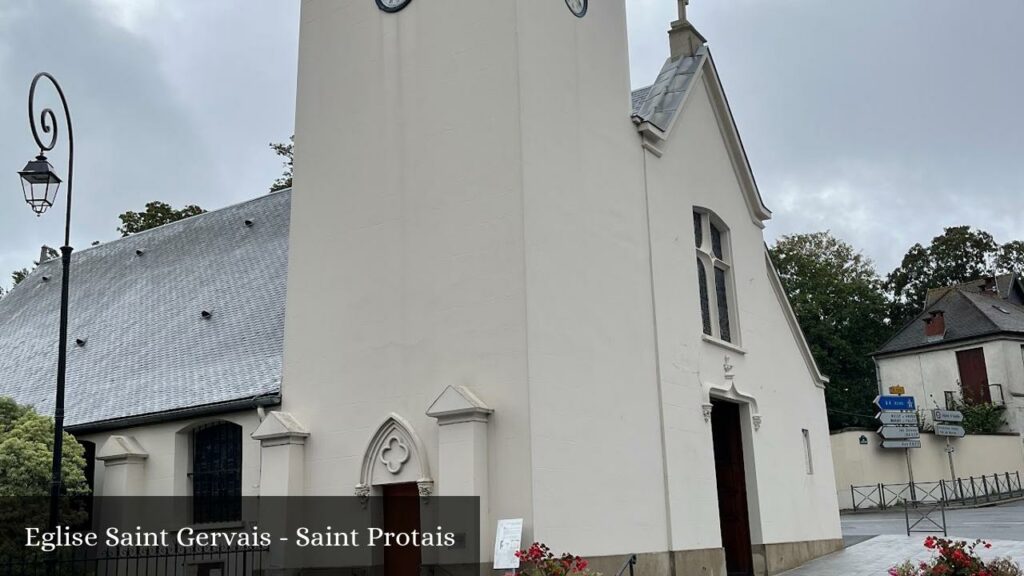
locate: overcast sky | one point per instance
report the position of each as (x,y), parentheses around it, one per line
(882,121)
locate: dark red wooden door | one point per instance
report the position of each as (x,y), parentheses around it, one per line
(732,488)
(401,514)
(973,376)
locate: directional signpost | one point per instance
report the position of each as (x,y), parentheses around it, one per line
(891,418)
(916,443)
(947,416)
(943,427)
(890,403)
(899,432)
(949,430)
(899,429)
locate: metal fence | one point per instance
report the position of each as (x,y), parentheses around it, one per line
(125,561)
(962,491)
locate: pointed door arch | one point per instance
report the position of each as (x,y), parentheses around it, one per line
(394,455)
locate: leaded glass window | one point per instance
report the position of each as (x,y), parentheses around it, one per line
(711,238)
(722,299)
(217,473)
(705,304)
(716,241)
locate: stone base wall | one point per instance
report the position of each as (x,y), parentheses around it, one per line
(769,559)
(774,558)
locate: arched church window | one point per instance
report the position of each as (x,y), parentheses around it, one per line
(217,473)
(711,240)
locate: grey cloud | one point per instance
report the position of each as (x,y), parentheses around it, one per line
(883,121)
(163,112)
(880,120)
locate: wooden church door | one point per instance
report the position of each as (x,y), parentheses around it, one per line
(401,514)
(732,488)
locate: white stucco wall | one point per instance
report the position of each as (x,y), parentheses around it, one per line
(869,464)
(165,470)
(472,126)
(788,504)
(927,375)
(470,209)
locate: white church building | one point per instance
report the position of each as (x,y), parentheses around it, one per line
(499,274)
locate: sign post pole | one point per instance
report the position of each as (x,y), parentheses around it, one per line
(943,427)
(952,470)
(910,474)
(904,430)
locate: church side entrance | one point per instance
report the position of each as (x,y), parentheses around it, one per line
(401,503)
(732,488)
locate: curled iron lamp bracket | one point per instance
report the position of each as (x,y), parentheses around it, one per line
(45,134)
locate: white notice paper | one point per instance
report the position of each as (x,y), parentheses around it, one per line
(507,542)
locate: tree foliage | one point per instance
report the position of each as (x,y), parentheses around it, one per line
(156,214)
(26,450)
(839,303)
(1010,258)
(286,151)
(958,255)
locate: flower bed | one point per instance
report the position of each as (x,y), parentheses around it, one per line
(957,558)
(538,560)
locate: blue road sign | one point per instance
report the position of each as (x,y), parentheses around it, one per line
(895,403)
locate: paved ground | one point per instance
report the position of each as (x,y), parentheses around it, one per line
(874,557)
(876,541)
(1005,522)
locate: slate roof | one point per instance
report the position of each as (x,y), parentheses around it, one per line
(659,102)
(639,96)
(148,350)
(970,311)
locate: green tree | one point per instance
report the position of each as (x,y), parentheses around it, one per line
(26,450)
(18,275)
(286,151)
(1010,259)
(841,307)
(958,255)
(156,214)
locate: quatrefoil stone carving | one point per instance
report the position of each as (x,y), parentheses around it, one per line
(394,454)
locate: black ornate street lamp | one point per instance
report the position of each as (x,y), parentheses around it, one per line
(40,185)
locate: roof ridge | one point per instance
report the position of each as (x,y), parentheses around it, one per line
(999,300)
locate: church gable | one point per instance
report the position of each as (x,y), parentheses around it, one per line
(657,109)
(698,164)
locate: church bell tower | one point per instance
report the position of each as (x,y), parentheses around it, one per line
(467,211)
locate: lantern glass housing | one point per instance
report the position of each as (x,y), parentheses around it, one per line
(39,184)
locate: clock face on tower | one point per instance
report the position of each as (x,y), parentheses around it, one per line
(392,5)
(577,7)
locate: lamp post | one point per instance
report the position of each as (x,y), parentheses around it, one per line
(40,184)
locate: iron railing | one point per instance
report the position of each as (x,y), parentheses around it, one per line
(629,565)
(962,491)
(139,561)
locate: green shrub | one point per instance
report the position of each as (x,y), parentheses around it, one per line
(982,418)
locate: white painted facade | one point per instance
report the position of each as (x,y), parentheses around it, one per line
(929,374)
(161,460)
(473,207)
(492,269)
